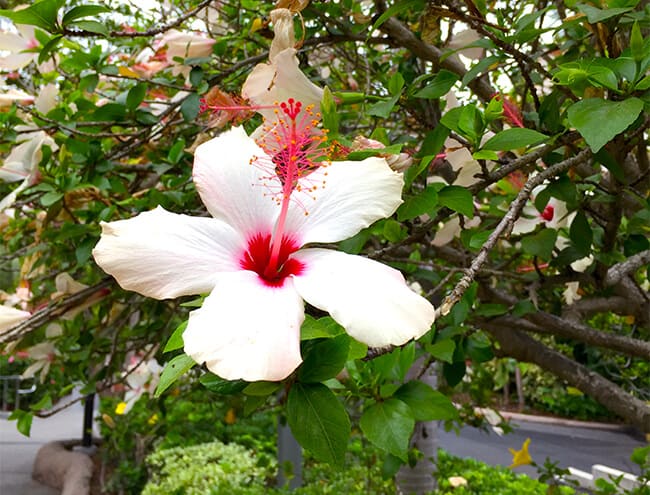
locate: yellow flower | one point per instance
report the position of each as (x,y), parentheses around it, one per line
(231,417)
(120,408)
(521,457)
(153,419)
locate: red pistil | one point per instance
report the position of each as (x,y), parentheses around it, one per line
(257,258)
(548,212)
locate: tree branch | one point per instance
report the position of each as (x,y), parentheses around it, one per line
(620,270)
(522,347)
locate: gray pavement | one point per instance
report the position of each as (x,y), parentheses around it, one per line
(574,445)
(17,452)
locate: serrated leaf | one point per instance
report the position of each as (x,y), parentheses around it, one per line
(414,206)
(540,244)
(439,86)
(325,359)
(389,426)
(318,421)
(443,350)
(599,120)
(324,327)
(457,198)
(173,370)
(262,389)
(176,339)
(220,386)
(514,138)
(83,11)
(426,404)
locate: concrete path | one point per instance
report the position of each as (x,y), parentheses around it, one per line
(17,452)
(574,445)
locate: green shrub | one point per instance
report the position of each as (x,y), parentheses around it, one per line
(209,468)
(486,480)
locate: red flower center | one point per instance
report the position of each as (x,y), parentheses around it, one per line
(547,214)
(257,258)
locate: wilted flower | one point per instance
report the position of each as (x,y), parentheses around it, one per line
(22,164)
(9,317)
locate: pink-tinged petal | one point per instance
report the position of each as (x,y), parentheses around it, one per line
(445,234)
(10,317)
(233,189)
(370,300)
(165,255)
(13,42)
(283,34)
(16,61)
(246,329)
(7,98)
(348,197)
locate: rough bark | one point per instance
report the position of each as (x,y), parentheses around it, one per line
(522,347)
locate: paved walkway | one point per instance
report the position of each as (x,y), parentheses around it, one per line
(17,452)
(569,445)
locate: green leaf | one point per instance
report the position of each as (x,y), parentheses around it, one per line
(478,348)
(324,327)
(220,386)
(393,230)
(41,14)
(318,421)
(262,389)
(174,369)
(328,111)
(442,350)
(581,234)
(599,120)
(135,96)
(23,421)
(48,199)
(190,107)
(389,426)
(485,155)
(426,404)
(478,68)
(457,198)
(363,154)
(91,27)
(540,244)
(414,206)
(176,340)
(83,11)
(514,138)
(395,9)
(478,239)
(49,47)
(110,111)
(324,359)
(596,15)
(385,107)
(439,87)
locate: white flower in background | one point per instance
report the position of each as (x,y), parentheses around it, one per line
(10,317)
(554,215)
(142,377)
(43,354)
(464,169)
(46,99)
(185,45)
(17,46)
(267,202)
(280,78)
(399,162)
(8,96)
(571,294)
(22,164)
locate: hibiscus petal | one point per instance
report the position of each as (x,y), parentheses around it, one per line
(349,197)
(165,255)
(232,189)
(370,300)
(246,329)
